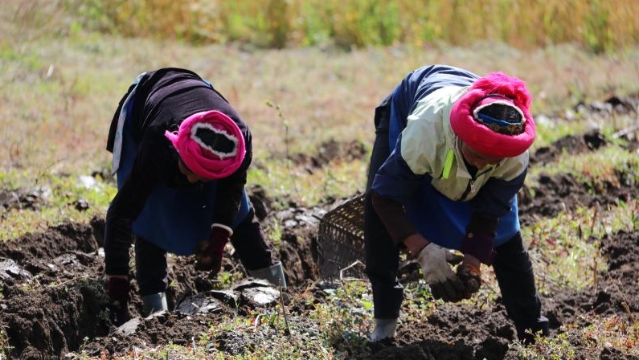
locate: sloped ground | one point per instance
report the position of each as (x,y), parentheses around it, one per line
(54,300)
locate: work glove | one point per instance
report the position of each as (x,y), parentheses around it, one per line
(209,252)
(118,289)
(479,245)
(470,276)
(435,262)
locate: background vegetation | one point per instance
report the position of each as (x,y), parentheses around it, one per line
(598,25)
(301,72)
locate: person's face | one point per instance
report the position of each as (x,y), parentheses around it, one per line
(190,175)
(478,159)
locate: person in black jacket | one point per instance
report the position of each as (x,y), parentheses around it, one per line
(181,154)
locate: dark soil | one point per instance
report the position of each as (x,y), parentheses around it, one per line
(54,300)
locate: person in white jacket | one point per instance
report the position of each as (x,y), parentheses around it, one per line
(450,155)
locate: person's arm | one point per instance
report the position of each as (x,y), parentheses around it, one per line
(399,227)
(496,197)
(395,184)
(393,216)
(494,200)
(146,172)
(229,196)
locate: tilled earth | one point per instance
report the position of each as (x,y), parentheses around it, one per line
(54,303)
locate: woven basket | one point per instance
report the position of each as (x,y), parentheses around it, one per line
(341,240)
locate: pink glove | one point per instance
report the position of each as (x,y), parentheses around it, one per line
(209,252)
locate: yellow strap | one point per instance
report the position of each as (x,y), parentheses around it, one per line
(448,164)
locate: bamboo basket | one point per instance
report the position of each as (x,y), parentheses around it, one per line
(341,240)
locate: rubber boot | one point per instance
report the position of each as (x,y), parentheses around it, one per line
(384,329)
(274,274)
(526,333)
(154,303)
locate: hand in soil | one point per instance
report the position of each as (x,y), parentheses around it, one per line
(470,276)
(119,313)
(209,252)
(435,262)
(119,289)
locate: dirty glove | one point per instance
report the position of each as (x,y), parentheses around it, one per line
(209,252)
(435,262)
(479,245)
(119,299)
(470,276)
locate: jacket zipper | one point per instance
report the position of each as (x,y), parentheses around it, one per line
(471,184)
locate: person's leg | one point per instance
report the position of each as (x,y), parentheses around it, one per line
(151,267)
(516,280)
(250,244)
(381,255)
(382,261)
(151,274)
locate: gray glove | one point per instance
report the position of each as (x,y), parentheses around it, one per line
(435,262)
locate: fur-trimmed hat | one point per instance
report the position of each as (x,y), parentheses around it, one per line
(493,116)
(210,143)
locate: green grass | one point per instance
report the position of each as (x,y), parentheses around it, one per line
(56,197)
(602,332)
(309,186)
(596,169)
(563,256)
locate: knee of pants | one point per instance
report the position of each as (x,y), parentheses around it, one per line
(511,250)
(512,246)
(151,267)
(382,266)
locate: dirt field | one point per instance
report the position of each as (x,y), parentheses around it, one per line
(54,300)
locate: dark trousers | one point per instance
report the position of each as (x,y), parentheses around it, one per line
(512,264)
(151,261)
(514,273)
(381,255)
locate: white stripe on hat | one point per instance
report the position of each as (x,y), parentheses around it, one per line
(221,155)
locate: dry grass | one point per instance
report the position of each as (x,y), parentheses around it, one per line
(62,93)
(62,84)
(596,24)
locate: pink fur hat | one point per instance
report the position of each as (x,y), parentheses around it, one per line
(493,116)
(210,143)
